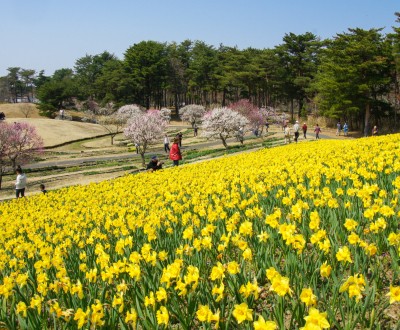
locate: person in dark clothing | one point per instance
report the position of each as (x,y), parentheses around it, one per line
(154,164)
(304,128)
(43,188)
(180,136)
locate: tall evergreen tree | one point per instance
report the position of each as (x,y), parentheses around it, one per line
(54,93)
(146,63)
(202,73)
(87,70)
(354,75)
(298,57)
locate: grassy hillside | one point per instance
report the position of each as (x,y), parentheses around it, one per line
(53,131)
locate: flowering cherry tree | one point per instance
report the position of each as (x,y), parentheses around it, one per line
(222,123)
(269,114)
(166,114)
(113,121)
(251,112)
(5,133)
(144,130)
(130,110)
(192,113)
(19,142)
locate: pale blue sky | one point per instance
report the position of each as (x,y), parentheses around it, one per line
(53,34)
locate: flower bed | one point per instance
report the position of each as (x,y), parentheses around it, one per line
(304,236)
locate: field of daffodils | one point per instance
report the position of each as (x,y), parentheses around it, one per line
(304,236)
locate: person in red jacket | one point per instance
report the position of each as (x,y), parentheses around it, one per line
(304,128)
(175,152)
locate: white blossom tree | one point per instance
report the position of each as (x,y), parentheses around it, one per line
(192,113)
(269,115)
(166,114)
(130,110)
(222,123)
(113,121)
(144,130)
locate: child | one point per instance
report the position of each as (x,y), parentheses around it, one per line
(43,188)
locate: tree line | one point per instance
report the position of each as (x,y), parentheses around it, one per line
(353,76)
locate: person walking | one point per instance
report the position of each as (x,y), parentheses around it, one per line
(304,128)
(296,129)
(287,134)
(375,131)
(20,183)
(180,136)
(195,128)
(240,135)
(166,143)
(317,130)
(175,152)
(345,129)
(338,128)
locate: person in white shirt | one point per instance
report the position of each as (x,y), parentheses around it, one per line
(166,143)
(287,134)
(20,183)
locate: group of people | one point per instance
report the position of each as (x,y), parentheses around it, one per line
(339,128)
(174,153)
(317,130)
(20,183)
(296,130)
(345,129)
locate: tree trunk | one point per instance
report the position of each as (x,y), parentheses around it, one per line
(291,110)
(112,139)
(366,119)
(300,107)
(176,103)
(143,160)
(223,141)
(1,178)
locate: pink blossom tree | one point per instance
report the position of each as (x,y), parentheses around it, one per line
(192,113)
(19,142)
(5,134)
(222,123)
(251,112)
(144,130)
